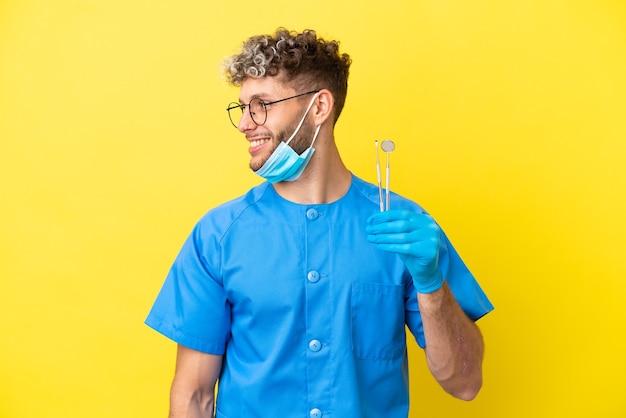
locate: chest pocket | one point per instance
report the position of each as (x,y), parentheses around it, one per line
(377,311)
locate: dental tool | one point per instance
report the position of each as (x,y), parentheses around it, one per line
(380,187)
(387,146)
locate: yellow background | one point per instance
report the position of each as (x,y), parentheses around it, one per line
(509,119)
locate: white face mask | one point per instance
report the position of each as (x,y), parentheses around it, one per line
(285,164)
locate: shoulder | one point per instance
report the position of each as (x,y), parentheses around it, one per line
(219,219)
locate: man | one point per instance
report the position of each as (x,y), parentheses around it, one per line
(296,295)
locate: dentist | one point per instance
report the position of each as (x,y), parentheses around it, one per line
(293,299)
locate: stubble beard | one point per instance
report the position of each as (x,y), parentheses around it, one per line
(299,143)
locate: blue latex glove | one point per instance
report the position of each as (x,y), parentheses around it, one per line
(415,238)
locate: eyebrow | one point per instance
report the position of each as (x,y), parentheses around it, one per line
(262,96)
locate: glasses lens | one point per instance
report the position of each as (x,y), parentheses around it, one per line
(235,111)
(257,111)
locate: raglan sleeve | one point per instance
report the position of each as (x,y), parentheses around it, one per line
(465,288)
(192,308)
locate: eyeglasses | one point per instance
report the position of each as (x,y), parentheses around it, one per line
(257,108)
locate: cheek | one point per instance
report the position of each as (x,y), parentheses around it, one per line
(283,135)
(303,138)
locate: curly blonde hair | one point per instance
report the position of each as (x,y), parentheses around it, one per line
(303,59)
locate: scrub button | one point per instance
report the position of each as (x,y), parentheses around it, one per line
(313,276)
(312,214)
(315,413)
(315,345)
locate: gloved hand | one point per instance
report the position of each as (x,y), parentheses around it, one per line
(415,238)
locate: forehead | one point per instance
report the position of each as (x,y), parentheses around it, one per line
(264,87)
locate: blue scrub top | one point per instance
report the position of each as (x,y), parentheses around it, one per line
(309,315)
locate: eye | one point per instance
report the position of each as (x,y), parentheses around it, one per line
(257,106)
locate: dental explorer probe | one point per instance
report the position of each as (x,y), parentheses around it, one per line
(380,186)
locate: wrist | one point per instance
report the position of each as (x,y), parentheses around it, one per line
(430,283)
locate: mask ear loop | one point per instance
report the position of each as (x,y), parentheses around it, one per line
(302,121)
(317,131)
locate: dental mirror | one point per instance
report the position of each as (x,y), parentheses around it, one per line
(388,145)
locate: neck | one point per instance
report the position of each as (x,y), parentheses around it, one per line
(325,180)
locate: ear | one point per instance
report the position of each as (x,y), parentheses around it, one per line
(323,107)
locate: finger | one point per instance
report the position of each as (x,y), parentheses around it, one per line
(415,223)
(430,236)
(390,238)
(388,216)
(392,227)
(419,250)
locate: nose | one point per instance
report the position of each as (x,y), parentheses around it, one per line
(246,123)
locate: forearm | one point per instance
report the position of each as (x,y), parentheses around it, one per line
(454,345)
(186,403)
(193,389)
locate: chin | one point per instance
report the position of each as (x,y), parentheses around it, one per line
(257,161)
(256,165)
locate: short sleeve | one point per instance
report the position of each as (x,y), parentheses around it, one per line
(192,308)
(462,284)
